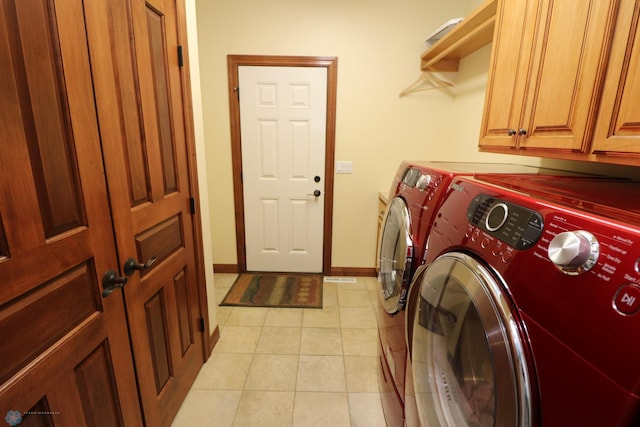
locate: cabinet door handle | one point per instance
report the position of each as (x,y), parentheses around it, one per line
(511,132)
(131,265)
(111,281)
(522,131)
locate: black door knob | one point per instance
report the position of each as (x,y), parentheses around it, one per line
(111,281)
(131,265)
(316,178)
(317,193)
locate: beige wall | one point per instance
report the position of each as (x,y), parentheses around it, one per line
(190,12)
(378,44)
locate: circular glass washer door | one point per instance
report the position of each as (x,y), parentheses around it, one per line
(395,256)
(468,358)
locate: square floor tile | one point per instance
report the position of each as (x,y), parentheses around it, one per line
(264,408)
(208,408)
(362,373)
(279,340)
(288,317)
(365,410)
(360,342)
(325,318)
(321,341)
(353,298)
(358,317)
(313,409)
(273,372)
(224,371)
(321,373)
(247,316)
(329,295)
(238,339)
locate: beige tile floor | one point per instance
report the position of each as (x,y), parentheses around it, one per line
(277,367)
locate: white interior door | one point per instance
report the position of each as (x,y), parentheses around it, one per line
(283,127)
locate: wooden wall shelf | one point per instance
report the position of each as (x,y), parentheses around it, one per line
(474,32)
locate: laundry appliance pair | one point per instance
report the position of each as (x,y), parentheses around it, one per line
(416,193)
(527,310)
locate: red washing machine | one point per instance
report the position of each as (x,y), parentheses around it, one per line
(416,193)
(529,310)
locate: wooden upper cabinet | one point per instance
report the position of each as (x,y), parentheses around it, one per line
(546,74)
(618,125)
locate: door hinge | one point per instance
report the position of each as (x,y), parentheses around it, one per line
(236,89)
(192,205)
(201,324)
(180,57)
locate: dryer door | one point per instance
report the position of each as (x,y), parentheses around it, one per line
(469,365)
(396,256)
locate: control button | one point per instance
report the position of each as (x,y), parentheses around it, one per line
(423,182)
(535,221)
(507,255)
(497,249)
(484,243)
(469,231)
(476,235)
(574,252)
(497,216)
(627,299)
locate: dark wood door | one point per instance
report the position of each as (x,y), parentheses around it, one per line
(65,355)
(140,107)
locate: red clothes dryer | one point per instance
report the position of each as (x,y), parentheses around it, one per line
(415,196)
(528,311)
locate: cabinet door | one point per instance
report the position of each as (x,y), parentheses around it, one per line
(567,73)
(65,357)
(139,96)
(547,69)
(509,73)
(618,128)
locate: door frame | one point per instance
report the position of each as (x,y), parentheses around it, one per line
(210,338)
(331,64)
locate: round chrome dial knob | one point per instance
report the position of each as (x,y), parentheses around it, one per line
(574,252)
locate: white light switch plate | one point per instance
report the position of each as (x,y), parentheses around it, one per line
(344,166)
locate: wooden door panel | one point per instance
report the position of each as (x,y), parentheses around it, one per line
(618,128)
(75,378)
(570,49)
(62,304)
(156,29)
(64,348)
(155,316)
(509,71)
(150,194)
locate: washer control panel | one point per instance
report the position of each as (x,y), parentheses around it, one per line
(574,252)
(515,225)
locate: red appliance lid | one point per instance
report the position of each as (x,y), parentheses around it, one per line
(614,198)
(471,168)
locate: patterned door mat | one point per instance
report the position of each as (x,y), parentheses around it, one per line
(276,290)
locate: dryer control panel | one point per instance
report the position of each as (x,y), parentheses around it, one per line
(515,225)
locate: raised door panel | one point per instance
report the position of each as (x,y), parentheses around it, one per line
(618,128)
(283,142)
(567,74)
(66,358)
(150,193)
(510,63)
